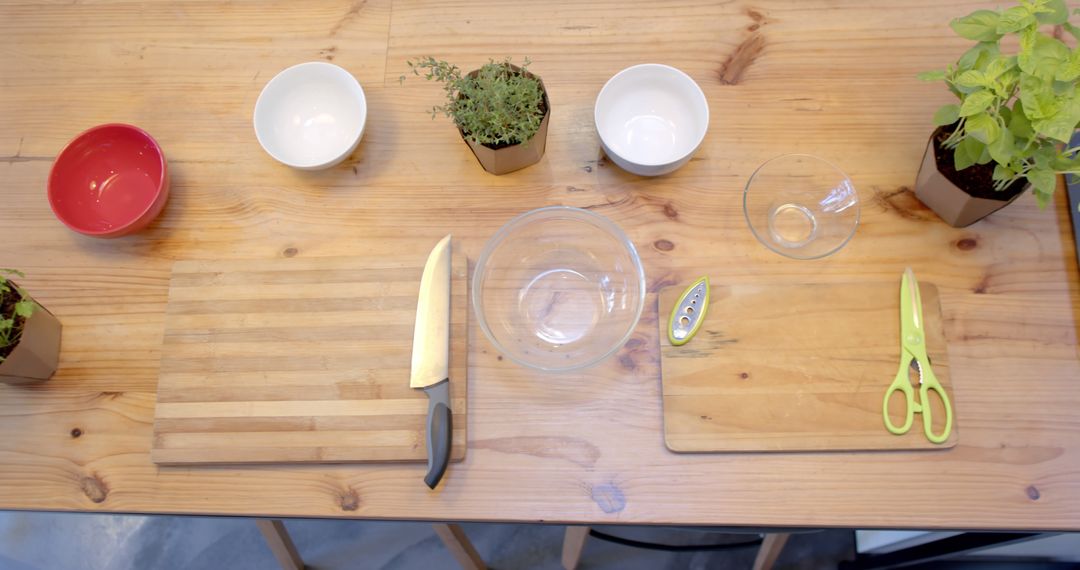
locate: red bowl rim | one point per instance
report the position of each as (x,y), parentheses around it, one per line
(133,221)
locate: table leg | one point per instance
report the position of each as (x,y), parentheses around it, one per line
(770,550)
(572,546)
(273,530)
(457,542)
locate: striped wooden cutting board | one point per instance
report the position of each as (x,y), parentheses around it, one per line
(299,360)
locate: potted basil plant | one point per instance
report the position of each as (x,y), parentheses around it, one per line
(501,110)
(29,335)
(1014,117)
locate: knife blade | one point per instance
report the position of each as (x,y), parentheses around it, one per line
(430,370)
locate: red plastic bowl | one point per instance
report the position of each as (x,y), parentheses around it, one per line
(110,181)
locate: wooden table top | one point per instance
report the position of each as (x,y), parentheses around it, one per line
(836,79)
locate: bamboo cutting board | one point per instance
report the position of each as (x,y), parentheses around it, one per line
(795,368)
(299,360)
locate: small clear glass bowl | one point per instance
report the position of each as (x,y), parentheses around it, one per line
(801,206)
(558,289)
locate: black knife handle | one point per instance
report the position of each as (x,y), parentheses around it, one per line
(440,425)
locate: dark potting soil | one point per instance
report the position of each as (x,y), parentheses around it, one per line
(7,310)
(978,179)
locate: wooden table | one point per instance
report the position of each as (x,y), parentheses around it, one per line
(836,79)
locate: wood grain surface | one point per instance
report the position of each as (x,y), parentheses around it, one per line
(300,360)
(835,79)
(795,368)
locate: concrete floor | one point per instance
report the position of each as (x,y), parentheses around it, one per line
(60,541)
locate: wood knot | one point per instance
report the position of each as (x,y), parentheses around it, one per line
(627,362)
(573,189)
(663,245)
(349,500)
(634,343)
(290,252)
(706,418)
(76,432)
(731,71)
(902,201)
(1033,493)
(967,244)
(670,211)
(499,358)
(94,488)
(744,375)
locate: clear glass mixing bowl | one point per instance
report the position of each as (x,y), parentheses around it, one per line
(801,206)
(558,289)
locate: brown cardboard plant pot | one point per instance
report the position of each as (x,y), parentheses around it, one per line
(517,156)
(35,357)
(963,197)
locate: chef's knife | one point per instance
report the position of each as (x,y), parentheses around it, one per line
(431,357)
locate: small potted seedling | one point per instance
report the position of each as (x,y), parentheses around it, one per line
(1015,115)
(29,335)
(501,110)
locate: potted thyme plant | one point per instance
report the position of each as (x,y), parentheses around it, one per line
(1015,114)
(29,335)
(501,110)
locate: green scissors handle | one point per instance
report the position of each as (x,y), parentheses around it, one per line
(928,382)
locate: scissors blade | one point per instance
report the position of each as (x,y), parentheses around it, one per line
(912,333)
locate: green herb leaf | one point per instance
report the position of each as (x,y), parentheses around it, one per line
(997,66)
(1015,19)
(980,25)
(972,78)
(1038,97)
(947,115)
(1043,181)
(1054,12)
(1019,123)
(24,308)
(967,153)
(1060,126)
(1002,148)
(1003,172)
(976,102)
(1070,71)
(978,57)
(936,75)
(983,127)
(1040,55)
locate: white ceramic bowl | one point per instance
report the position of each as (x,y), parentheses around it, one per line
(311,116)
(651,118)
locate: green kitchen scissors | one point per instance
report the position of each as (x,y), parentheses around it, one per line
(913,355)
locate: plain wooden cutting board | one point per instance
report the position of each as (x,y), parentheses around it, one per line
(299,360)
(795,368)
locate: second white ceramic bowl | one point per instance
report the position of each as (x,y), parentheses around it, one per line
(311,116)
(651,118)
